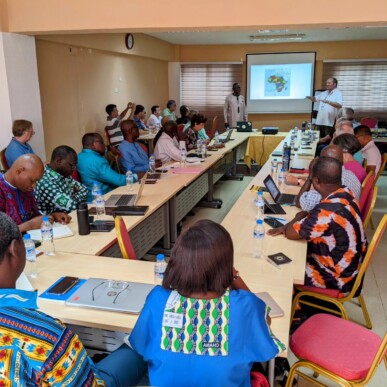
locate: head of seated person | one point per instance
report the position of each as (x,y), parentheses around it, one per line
(139,113)
(94,142)
(347,113)
(363,134)
(22,131)
(112,111)
(333,151)
(130,130)
(326,174)
(343,126)
(64,160)
(171,105)
(22,178)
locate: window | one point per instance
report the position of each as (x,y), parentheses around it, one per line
(204,87)
(363,84)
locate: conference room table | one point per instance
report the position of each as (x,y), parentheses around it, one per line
(169,200)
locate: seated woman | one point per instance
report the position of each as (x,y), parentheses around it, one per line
(350,145)
(184,115)
(195,131)
(203,327)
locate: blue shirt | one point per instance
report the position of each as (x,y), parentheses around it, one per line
(94,167)
(133,157)
(38,350)
(248,340)
(139,123)
(16,149)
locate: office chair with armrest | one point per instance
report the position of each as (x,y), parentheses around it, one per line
(123,238)
(369,207)
(333,296)
(180,133)
(342,351)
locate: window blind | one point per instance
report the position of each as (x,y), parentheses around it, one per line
(363,84)
(204,87)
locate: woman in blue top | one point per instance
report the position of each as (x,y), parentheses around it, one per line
(203,327)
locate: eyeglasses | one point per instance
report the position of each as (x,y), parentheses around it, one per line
(115,288)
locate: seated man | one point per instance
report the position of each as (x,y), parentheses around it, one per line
(38,350)
(92,166)
(342,126)
(57,190)
(22,133)
(165,143)
(133,157)
(333,229)
(154,120)
(139,117)
(308,198)
(368,148)
(113,121)
(169,111)
(16,194)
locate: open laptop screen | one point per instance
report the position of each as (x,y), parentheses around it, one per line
(271,187)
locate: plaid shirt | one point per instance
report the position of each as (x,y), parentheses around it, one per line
(37,350)
(57,193)
(310,199)
(336,241)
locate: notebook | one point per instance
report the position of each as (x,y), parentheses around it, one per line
(60,231)
(116,296)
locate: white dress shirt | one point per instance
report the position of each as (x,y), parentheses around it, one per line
(327,113)
(167,149)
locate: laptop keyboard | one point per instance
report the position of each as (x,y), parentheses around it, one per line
(120,200)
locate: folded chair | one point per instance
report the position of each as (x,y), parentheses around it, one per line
(310,295)
(123,238)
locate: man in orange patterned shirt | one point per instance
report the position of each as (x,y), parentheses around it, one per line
(333,229)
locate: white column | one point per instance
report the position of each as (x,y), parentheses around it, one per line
(174,83)
(19,91)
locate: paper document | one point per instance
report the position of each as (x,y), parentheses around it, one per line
(60,231)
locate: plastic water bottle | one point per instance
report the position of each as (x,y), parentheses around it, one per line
(160,267)
(47,237)
(281,176)
(129,180)
(152,164)
(259,237)
(204,149)
(217,137)
(260,203)
(183,156)
(95,190)
(199,147)
(31,268)
(100,204)
(284,148)
(274,166)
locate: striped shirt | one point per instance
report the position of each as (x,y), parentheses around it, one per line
(113,131)
(336,241)
(37,350)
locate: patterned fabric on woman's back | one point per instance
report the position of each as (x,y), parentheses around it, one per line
(336,241)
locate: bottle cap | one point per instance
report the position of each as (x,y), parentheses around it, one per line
(259,221)
(260,193)
(160,257)
(45,218)
(26,237)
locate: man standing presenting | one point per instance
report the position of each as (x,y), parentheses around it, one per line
(330,101)
(234,107)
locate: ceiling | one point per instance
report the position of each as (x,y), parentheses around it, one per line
(242,37)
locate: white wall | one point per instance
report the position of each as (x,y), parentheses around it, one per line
(174,83)
(20,98)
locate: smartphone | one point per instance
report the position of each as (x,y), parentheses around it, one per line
(63,286)
(273,222)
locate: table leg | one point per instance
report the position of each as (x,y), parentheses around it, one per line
(211,202)
(270,372)
(234,175)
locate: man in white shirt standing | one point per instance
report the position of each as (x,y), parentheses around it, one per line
(234,107)
(154,121)
(330,101)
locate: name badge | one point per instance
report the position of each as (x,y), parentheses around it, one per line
(173,320)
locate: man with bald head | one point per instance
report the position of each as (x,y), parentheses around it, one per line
(308,198)
(333,229)
(16,193)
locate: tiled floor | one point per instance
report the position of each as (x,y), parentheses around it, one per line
(375,286)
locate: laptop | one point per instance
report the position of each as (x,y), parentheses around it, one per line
(244,126)
(126,200)
(273,208)
(116,296)
(223,140)
(275,193)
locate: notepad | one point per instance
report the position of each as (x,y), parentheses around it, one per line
(60,231)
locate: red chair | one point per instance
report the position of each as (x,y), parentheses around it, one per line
(366,192)
(123,238)
(144,147)
(211,135)
(76,176)
(180,134)
(371,122)
(340,350)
